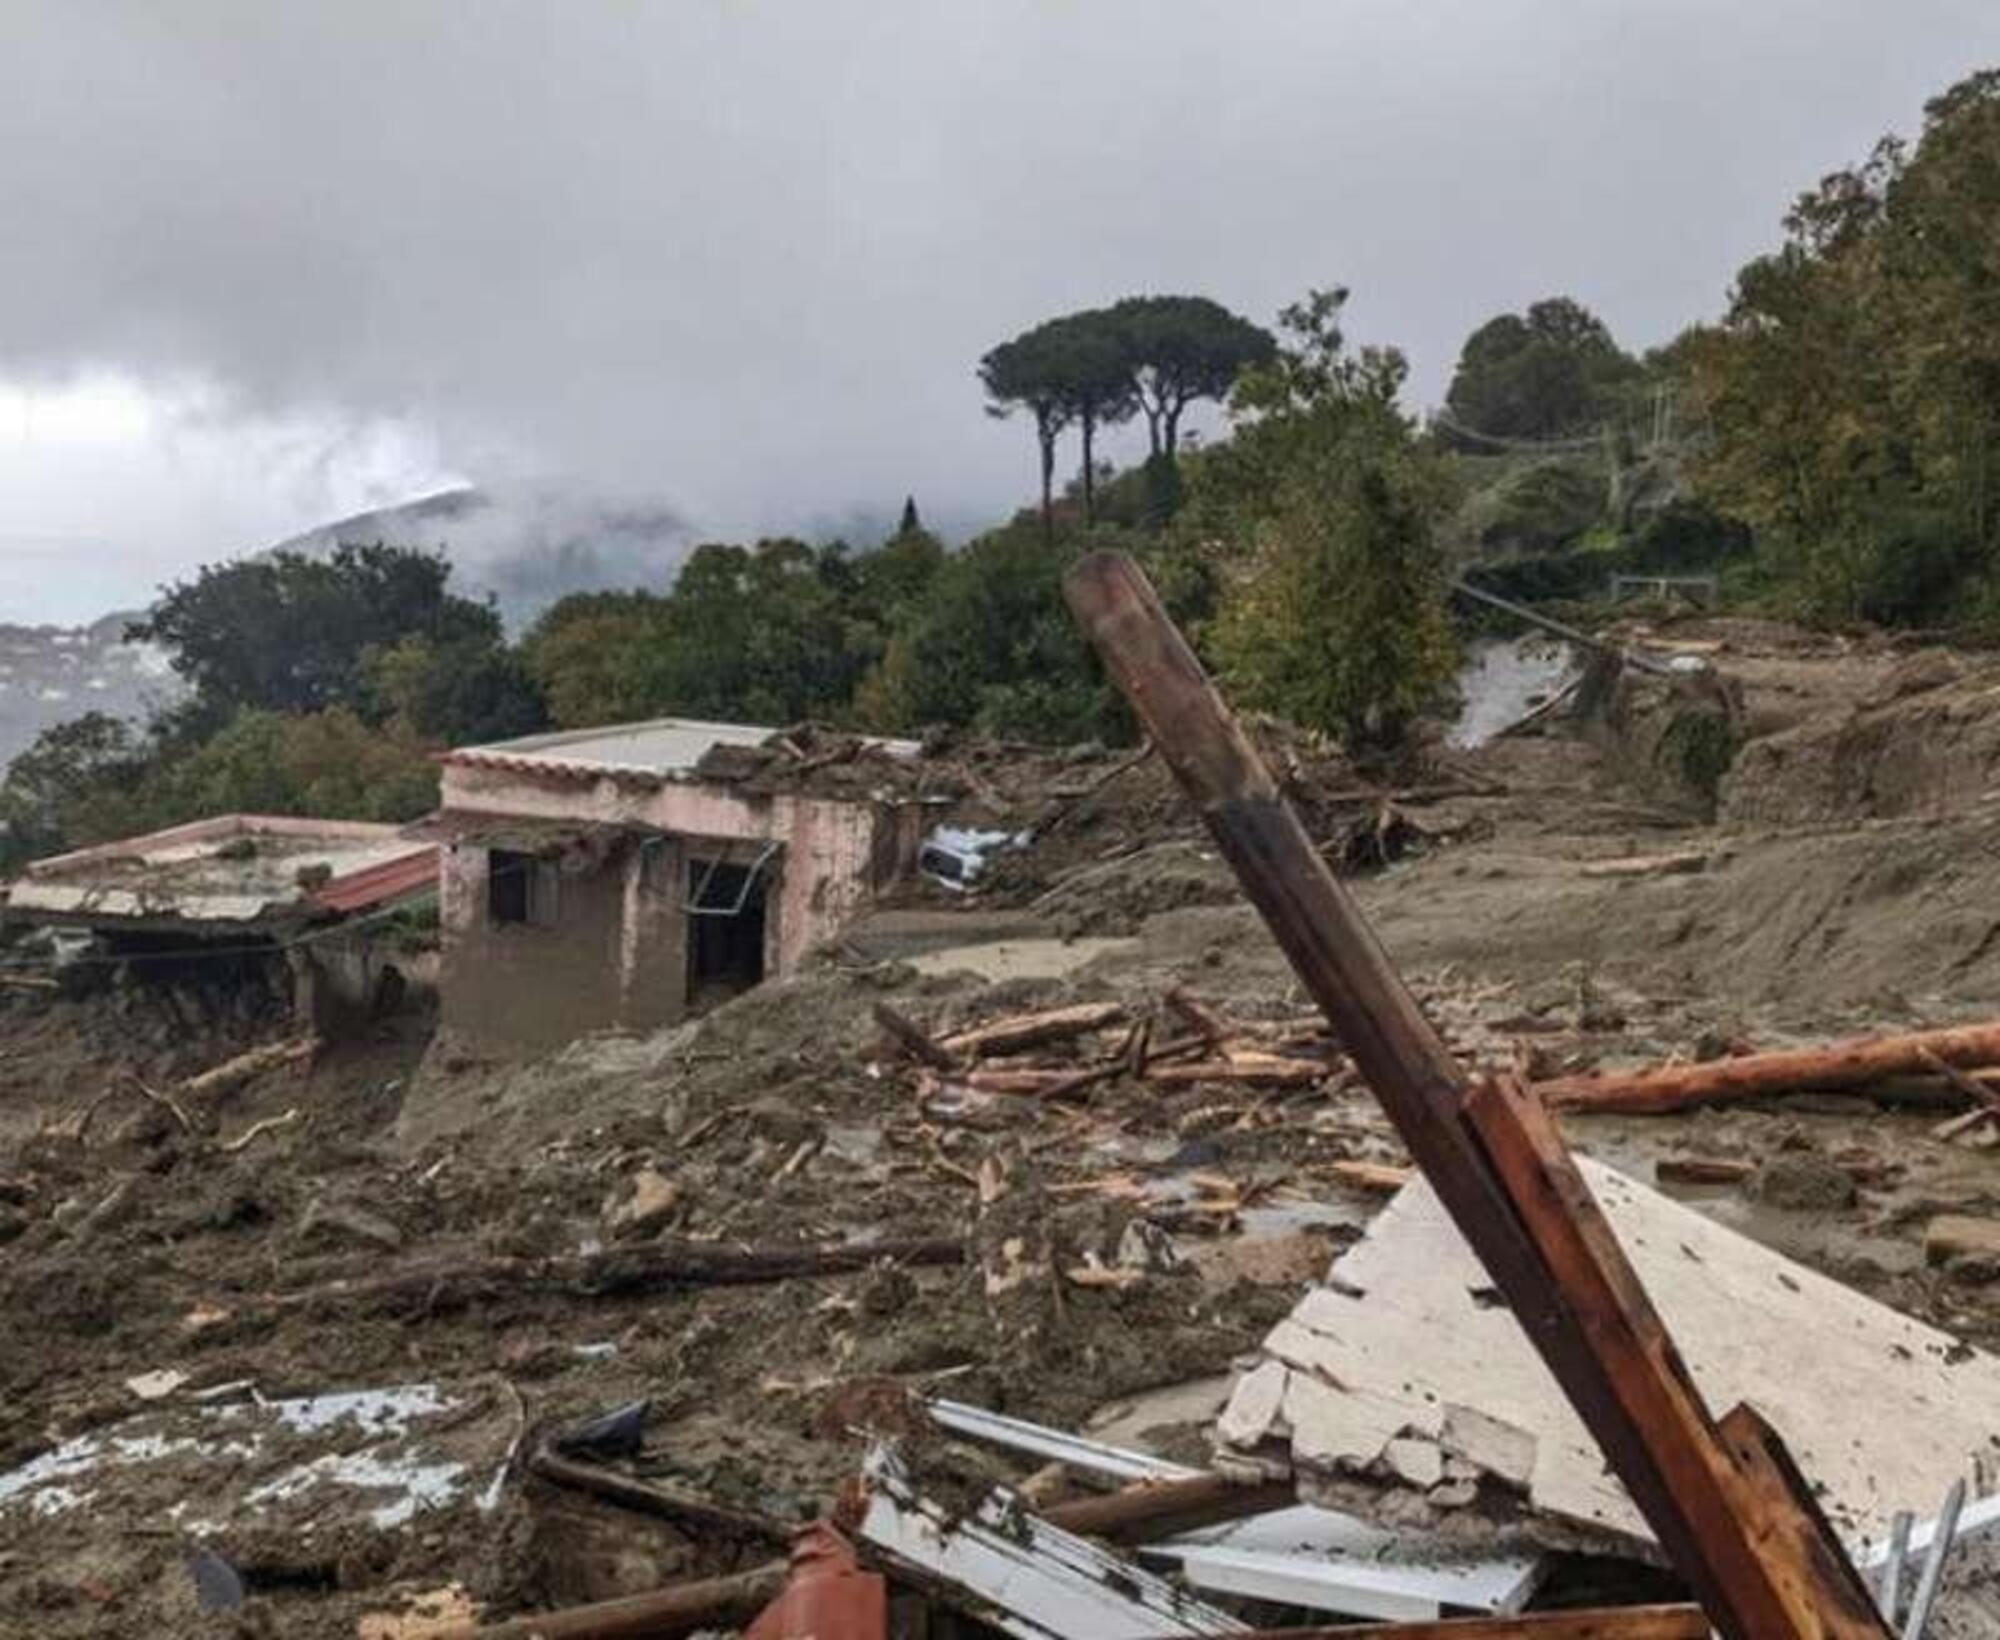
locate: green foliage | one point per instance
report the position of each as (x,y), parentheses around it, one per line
(1851,394)
(288,633)
(1536,506)
(1551,372)
(768,634)
(994,646)
(1698,746)
(457,692)
(73,784)
(329,764)
(1338,620)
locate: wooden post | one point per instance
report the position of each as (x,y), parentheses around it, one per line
(1749,1573)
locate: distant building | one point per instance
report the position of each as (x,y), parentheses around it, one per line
(628,876)
(261,893)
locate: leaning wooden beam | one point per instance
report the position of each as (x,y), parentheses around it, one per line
(1753,1578)
(1851,1064)
(1598,1623)
(439,1285)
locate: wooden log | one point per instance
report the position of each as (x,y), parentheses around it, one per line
(1258,1069)
(438,1285)
(1023,1031)
(630,1492)
(1379,1178)
(1148,1511)
(1851,1064)
(1595,1623)
(1752,1580)
(679,1608)
(1702,1170)
(1055,1084)
(912,1038)
(233,1073)
(1197,1015)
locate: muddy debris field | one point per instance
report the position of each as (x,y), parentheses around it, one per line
(385,1338)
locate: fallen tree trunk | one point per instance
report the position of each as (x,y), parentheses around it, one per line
(453,1284)
(1851,1064)
(680,1608)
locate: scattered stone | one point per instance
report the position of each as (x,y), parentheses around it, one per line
(1803,1181)
(153,1386)
(649,1202)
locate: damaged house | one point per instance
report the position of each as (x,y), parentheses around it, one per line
(282,904)
(627,876)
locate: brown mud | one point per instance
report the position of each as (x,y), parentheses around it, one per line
(1180,1220)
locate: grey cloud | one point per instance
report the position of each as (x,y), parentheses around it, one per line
(740,257)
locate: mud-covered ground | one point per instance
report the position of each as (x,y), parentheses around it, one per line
(170,1288)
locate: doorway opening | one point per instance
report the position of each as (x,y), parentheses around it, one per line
(725,922)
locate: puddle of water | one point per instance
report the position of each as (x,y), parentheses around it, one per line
(1503,680)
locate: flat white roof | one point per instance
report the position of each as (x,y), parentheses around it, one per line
(663,746)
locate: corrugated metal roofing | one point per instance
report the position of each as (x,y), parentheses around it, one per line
(381,885)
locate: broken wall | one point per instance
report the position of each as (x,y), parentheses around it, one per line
(616,954)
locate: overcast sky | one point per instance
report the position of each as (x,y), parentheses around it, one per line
(264,262)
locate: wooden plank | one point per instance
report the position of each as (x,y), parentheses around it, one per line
(1004,1036)
(1342,965)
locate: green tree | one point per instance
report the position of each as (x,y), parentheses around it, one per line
(1093,375)
(1851,394)
(1180,349)
(764,634)
(1026,374)
(458,692)
(289,633)
(74,784)
(1334,614)
(1550,373)
(993,647)
(331,765)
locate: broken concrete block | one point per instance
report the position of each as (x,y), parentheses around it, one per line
(647,1205)
(1958,1235)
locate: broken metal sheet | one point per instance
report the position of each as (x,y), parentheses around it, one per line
(1327,1561)
(1077,1452)
(1406,1346)
(1020,1574)
(1321,1559)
